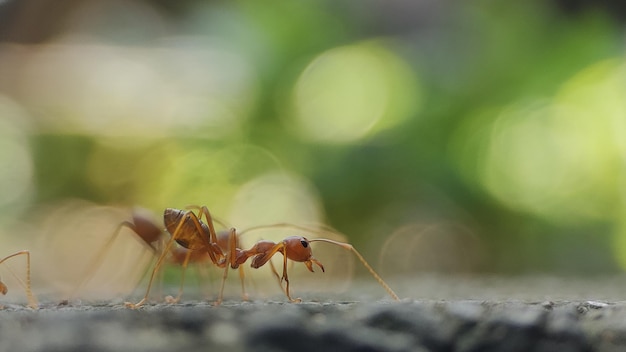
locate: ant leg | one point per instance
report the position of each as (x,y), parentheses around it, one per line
(204,209)
(230,261)
(232,253)
(286,278)
(275,272)
(263,254)
(242,275)
(32,301)
(157,266)
(171,300)
(210,244)
(209,221)
(221,294)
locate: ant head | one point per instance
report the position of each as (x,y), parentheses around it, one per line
(3,288)
(298,249)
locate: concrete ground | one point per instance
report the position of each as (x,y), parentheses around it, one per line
(435,314)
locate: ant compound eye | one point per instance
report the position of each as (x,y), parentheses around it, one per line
(304,243)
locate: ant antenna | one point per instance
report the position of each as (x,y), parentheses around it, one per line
(351,248)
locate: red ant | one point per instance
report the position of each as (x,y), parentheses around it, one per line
(32,302)
(188,230)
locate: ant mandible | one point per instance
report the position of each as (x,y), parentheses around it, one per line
(32,302)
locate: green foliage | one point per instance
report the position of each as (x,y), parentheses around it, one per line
(481,115)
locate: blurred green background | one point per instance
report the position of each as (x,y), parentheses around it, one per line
(437,135)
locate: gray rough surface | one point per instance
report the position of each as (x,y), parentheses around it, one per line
(364,324)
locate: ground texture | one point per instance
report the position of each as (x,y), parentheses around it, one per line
(498,321)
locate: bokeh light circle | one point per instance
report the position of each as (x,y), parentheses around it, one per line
(561,158)
(349,92)
(177,175)
(183,86)
(275,197)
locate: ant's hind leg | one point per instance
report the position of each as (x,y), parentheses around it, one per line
(229,261)
(170,299)
(157,266)
(278,278)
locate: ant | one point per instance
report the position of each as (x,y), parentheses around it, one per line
(298,249)
(188,230)
(32,302)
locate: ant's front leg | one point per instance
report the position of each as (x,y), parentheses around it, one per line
(286,278)
(230,261)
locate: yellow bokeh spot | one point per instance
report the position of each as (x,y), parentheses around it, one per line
(275,197)
(349,92)
(561,159)
(173,175)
